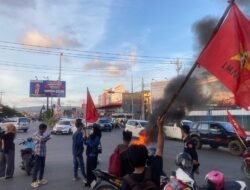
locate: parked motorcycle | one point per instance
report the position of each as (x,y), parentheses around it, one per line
(27,155)
(245,167)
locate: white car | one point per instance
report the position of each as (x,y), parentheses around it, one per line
(173,131)
(63,127)
(136,126)
(21,123)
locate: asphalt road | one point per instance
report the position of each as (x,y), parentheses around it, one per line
(59,167)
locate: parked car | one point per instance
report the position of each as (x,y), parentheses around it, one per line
(216,134)
(21,123)
(173,131)
(136,126)
(105,124)
(63,127)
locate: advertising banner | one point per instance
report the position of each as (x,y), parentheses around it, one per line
(47,88)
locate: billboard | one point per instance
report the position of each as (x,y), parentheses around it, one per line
(47,88)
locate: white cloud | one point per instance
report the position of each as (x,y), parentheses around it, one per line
(36,38)
(113,69)
(64,22)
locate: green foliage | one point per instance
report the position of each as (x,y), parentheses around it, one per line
(48,118)
(9,112)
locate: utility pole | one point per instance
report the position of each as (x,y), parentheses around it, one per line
(1,96)
(47,107)
(132,94)
(59,79)
(142,106)
(178,66)
(132,61)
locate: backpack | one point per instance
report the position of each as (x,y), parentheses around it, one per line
(115,162)
(146,184)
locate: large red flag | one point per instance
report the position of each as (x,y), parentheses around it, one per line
(241,132)
(91,112)
(227,56)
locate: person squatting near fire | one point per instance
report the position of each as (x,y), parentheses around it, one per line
(145,176)
(189,147)
(41,137)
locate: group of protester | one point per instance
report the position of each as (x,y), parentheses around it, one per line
(140,165)
(93,142)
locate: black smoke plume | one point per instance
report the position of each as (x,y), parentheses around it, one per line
(203,30)
(191,96)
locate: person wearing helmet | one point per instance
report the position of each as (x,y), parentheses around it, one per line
(184,161)
(180,179)
(189,147)
(214,181)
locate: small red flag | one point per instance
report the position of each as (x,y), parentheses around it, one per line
(91,111)
(227,56)
(240,131)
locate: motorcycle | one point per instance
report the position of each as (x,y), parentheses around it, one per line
(180,180)
(113,182)
(27,155)
(245,167)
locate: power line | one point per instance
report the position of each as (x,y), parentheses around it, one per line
(89,57)
(76,69)
(91,52)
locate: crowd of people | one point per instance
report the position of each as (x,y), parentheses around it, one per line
(138,163)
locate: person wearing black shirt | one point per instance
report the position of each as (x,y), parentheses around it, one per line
(189,147)
(138,156)
(7,164)
(126,167)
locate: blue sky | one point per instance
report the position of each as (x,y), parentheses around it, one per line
(129,28)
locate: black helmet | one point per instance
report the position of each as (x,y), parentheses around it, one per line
(185,128)
(184,161)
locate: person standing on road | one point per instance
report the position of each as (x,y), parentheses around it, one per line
(144,176)
(77,149)
(189,147)
(92,143)
(41,137)
(7,162)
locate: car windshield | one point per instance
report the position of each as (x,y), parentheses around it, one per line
(103,121)
(24,120)
(228,127)
(64,123)
(144,123)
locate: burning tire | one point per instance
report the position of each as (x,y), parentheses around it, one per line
(235,148)
(197,142)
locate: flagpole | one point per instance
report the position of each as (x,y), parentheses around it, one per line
(243,143)
(177,92)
